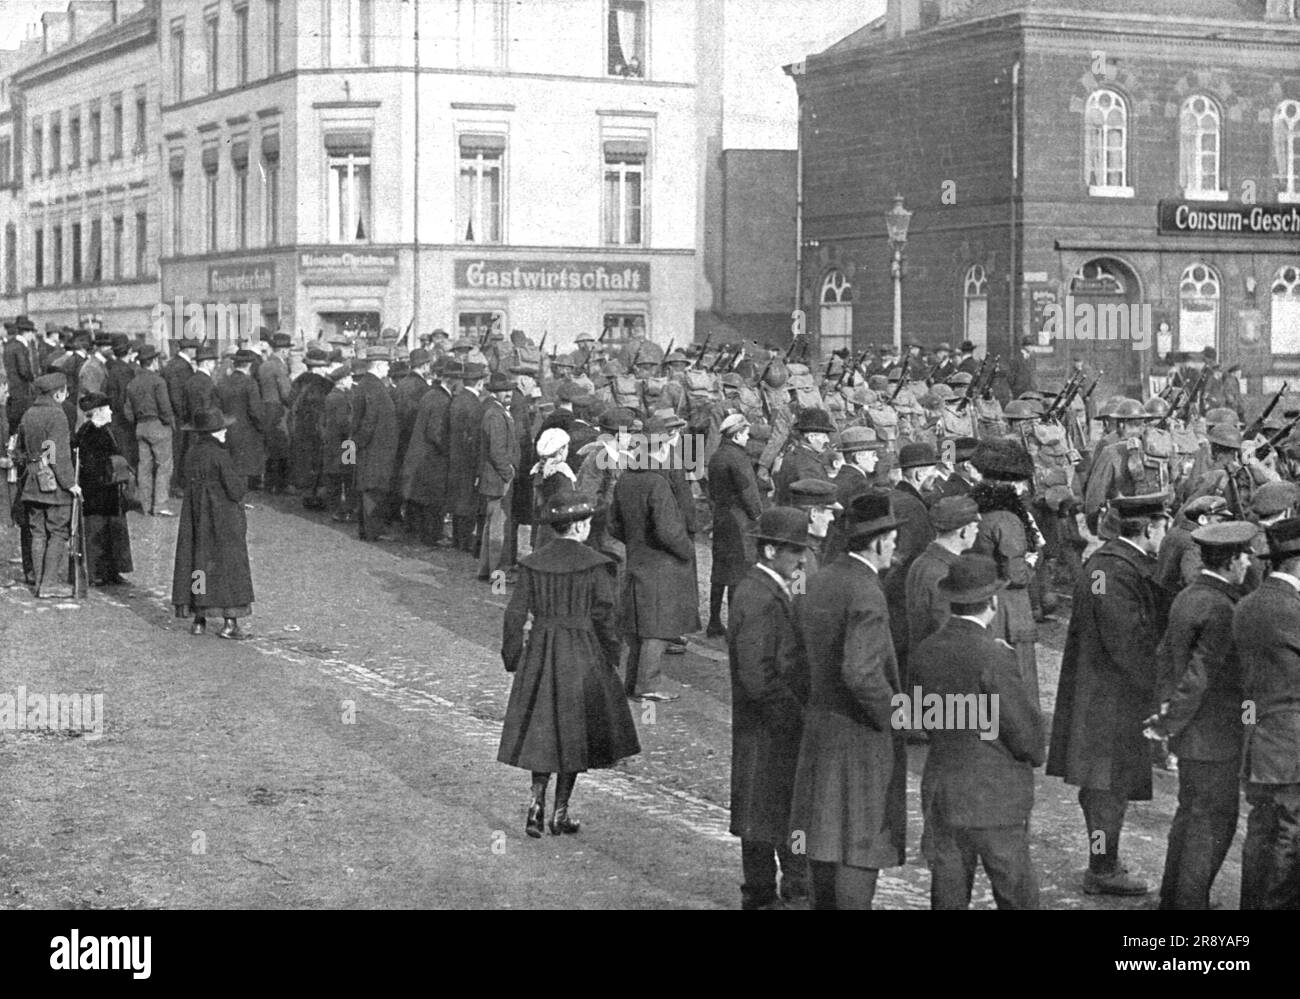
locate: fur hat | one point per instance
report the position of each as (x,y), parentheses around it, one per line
(1005,460)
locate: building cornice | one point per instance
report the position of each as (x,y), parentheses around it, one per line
(135,32)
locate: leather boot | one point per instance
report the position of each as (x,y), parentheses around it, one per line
(232,631)
(537,806)
(199,626)
(560,821)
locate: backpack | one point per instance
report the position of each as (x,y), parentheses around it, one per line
(884,421)
(805,389)
(988,418)
(627,392)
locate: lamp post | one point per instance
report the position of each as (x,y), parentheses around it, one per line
(896,222)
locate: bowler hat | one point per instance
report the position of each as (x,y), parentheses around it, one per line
(500,383)
(807,493)
(1209,353)
(616,418)
(869,514)
(917,455)
(23,324)
(783,525)
(147,353)
(1283,539)
(1229,534)
(91,401)
(970,579)
(243,356)
(208,420)
(859,439)
(950,513)
(419,356)
(814,421)
(567,507)
(1004,459)
(48,384)
(281,340)
(207,352)
(316,358)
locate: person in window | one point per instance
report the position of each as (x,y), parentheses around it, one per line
(633,67)
(108,544)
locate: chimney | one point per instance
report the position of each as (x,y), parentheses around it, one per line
(902,17)
(1282,10)
(56,28)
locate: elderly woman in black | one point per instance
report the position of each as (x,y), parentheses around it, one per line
(211,576)
(568,711)
(107,541)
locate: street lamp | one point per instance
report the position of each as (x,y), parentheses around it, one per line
(896,222)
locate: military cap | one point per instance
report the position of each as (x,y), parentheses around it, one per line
(814,421)
(814,492)
(950,513)
(1021,409)
(917,455)
(1157,408)
(860,439)
(1145,505)
(1203,506)
(1272,498)
(51,383)
(567,508)
(584,338)
(1224,436)
(783,525)
(972,578)
(439,332)
(207,352)
(246,356)
(1283,539)
(1229,534)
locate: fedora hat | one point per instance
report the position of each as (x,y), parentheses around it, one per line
(208,420)
(860,439)
(814,421)
(147,353)
(206,352)
(243,356)
(917,455)
(316,358)
(970,579)
(869,514)
(1284,538)
(500,383)
(617,418)
(783,525)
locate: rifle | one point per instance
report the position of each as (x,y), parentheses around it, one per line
(1262,451)
(1061,401)
(1188,403)
(407,332)
(929,378)
(899,387)
(704,349)
(794,341)
(1260,420)
(671,342)
(857,361)
(964,402)
(542,346)
(722,352)
(987,389)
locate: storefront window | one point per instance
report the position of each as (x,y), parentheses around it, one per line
(1284,319)
(1198,309)
(478,324)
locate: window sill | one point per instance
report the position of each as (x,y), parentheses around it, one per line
(1288,197)
(1109,191)
(1206,195)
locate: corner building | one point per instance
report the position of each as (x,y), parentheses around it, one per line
(341,165)
(1057,152)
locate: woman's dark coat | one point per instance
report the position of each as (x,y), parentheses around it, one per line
(108,543)
(210,535)
(306,419)
(239,397)
(737,504)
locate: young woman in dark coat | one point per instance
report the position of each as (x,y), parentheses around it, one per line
(211,575)
(567,711)
(108,544)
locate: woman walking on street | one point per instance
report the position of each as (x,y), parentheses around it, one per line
(108,543)
(212,576)
(567,712)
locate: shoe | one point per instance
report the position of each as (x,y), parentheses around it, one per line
(1117,882)
(199,627)
(163,513)
(560,821)
(56,593)
(232,631)
(116,580)
(656,695)
(675,649)
(715,630)
(537,808)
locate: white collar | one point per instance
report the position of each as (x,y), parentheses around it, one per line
(972,620)
(785,587)
(1214,575)
(862,558)
(1134,544)
(1287,578)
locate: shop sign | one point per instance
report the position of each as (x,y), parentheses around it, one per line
(551,275)
(1187,218)
(356,262)
(240,279)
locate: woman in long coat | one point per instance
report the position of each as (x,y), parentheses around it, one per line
(306,409)
(108,543)
(241,400)
(211,576)
(1008,533)
(567,711)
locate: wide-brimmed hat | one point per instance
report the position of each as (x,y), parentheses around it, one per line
(208,420)
(207,352)
(814,421)
(869,514)
(22,324)
(567,507)
(147,353)
(970,579)
(1005,460)
(783,525)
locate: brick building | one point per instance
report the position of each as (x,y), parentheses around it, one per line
(1068,152)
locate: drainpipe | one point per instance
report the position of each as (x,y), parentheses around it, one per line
(1013,283)
(414,328)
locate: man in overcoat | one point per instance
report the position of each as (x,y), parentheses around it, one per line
(1266,628)
(812,431)
(1108,686)
(956,523)
(407,395)
(176,372)
(861,449)
(20,368)
(338,457)
(851,780)
(374,435)
(660,602)
(466,419)
(241,399)
(918,462)
(45,450)
(1200,713)
(733,489)
(977,790)
(427,466)
(498,468)
(768,691)
(275,390)
(306,410)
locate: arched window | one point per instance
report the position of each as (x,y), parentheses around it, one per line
(975,295)
(1105,144)
(1286,150)
(836,313)
(1198,308)
(1284,320)
(1199,149)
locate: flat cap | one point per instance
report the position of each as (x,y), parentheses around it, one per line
(733,422)
(51,382)
(953,512)
(813,492)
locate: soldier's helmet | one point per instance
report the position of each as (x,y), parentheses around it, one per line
(1221,415)
(1156,408)
(1020,409)
(776,374)
(1129,409)
(1107,409)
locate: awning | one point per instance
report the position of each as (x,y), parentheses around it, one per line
(239,154)
(342,142)
(624,150)
(482,142)
(271,145)
(211,154)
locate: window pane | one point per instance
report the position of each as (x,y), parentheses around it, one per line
(626,43)
(361,202)
(465,204)
(611,206)
(632,202)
